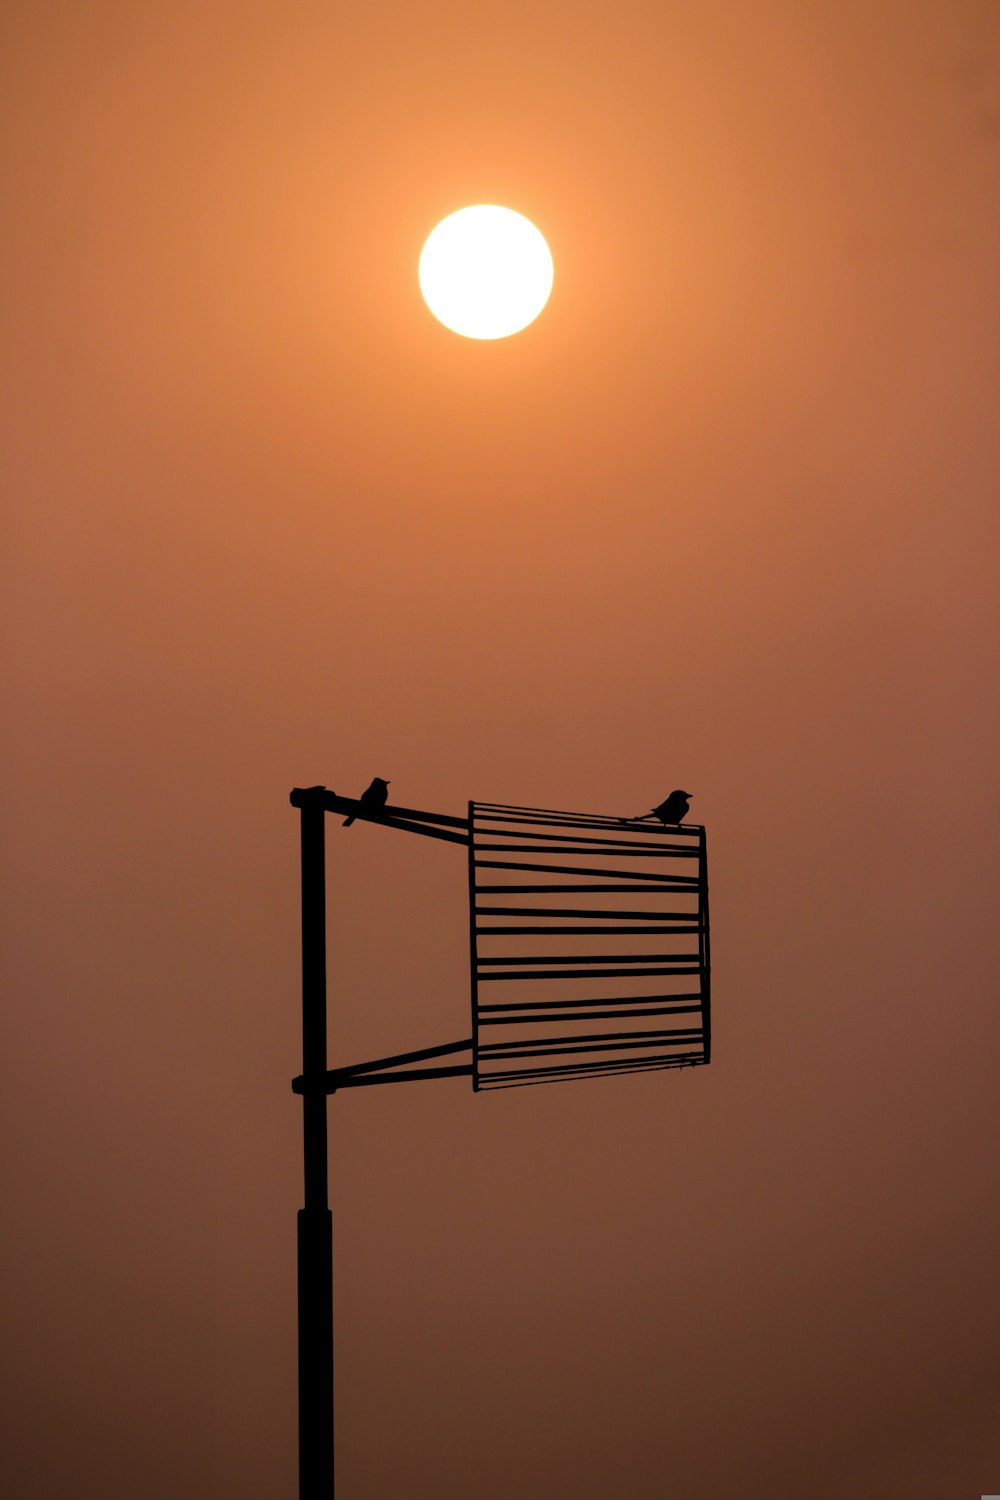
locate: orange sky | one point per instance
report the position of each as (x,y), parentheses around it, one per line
(723,518)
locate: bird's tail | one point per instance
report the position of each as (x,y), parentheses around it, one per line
(349,821)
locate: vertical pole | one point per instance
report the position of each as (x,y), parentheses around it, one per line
(315,1228)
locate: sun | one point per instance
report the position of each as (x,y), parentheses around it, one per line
(485,272)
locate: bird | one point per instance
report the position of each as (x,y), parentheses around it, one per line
(371,799)
(674,810)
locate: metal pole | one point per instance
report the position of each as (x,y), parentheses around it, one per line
(315,1227)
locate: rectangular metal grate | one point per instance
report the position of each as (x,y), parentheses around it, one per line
(588,944)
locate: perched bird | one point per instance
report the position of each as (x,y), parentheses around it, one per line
(674,810)
(371,799)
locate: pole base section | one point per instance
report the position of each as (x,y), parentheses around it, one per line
(315,1244)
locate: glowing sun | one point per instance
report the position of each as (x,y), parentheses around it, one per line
(485,272)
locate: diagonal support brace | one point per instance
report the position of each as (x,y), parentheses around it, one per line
(359,1074)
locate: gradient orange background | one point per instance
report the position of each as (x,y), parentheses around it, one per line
(723,518)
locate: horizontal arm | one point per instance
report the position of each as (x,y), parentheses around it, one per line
(409,819)
(375,1072)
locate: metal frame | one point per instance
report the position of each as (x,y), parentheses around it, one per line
(565,936)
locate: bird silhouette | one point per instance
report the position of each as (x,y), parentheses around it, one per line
(674,810)
(371,799)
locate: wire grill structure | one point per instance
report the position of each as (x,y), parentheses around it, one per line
(589,945)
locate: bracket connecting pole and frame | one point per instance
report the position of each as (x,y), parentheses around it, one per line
(379,1071)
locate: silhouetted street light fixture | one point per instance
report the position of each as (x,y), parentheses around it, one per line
(549,894)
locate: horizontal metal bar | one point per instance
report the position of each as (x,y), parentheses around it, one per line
(526,1053)
(413,1076)
(583,911)
(616,851)
(572,838)
(546,929)
(587,960)
(599,1039)
(486,808)
(610,1065)
(527,1077)
(495,812)
(577,974)
(599,1000)
(596,1046)
(617,832)
(686,886)
(664,882)
(584,1015)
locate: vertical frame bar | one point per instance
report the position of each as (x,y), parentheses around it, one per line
(703,945)
(315,1227)
(473,949)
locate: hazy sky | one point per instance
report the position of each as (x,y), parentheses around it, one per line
(724,518)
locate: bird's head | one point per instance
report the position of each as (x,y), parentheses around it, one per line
(680,793)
